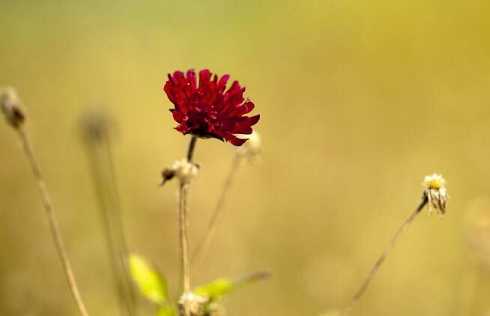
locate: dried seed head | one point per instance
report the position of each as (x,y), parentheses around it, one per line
(12,107)
(252,147)
(436,192)
(182,169)
(192,304)
(95,127)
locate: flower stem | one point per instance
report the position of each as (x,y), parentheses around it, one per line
(184,238)
(362,289)
(190,150)
(108,200)
(203,246)
(120,232)
(183,225)
(53,221)
(252,277)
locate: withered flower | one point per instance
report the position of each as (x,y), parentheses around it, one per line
(436,192)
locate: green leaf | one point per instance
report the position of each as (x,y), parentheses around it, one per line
(216,289)
(167,310)
(223,286)
(149,282)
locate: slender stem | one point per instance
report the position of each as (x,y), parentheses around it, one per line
(190,150)
(362,289)
(203,246)
(53,221)
(100,157)
(183,225)
(252,277)
(184,238)
(120,232)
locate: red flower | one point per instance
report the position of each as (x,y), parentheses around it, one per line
(208,109)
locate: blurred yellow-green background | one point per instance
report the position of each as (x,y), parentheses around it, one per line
(359,100)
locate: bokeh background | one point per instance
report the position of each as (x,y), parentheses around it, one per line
(359,100)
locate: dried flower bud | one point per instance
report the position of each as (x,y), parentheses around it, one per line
(252,147)
(95,127)
(192,304)
(167,175)
(436,192)
(12,107)
(182,169)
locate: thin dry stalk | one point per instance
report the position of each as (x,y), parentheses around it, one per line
(362,289)
(203,246)
(120,232)
(183,224)
(101,162)
(252,277)
(53,221)
(184,237)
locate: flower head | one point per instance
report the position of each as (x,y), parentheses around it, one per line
(11,107)
(207,108)
(436,192)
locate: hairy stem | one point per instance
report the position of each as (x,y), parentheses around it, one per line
(183,225)
(362,289)
(53,221)
(184,238)
(203,246)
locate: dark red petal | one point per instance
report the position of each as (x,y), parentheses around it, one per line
(245,108)
(178,77)
(248,106)
(243,120)
(235,140)
(178,116)
(183,129)
(204,78)
(191,78)
(234,96)
(222,83)
(254,119)
(242,129)
(171,92)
